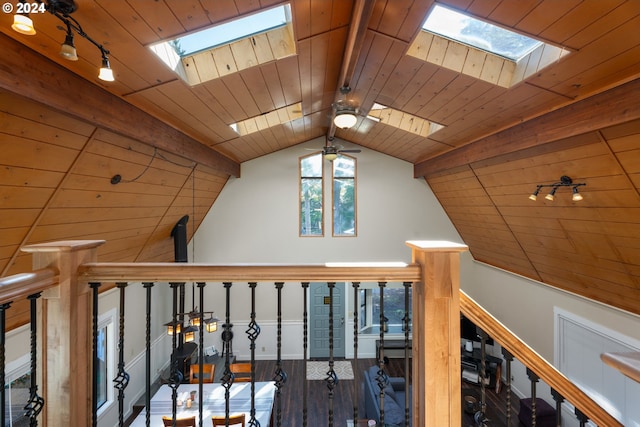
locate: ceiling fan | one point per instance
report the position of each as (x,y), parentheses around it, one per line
(330,151)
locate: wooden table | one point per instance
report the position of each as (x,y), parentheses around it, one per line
(214,403)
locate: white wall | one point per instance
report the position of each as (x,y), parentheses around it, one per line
(255,220)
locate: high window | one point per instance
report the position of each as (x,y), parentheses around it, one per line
(344,196)
(311,192)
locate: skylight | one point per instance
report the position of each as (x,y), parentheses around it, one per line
(402,120)
(482,35)
(233,30)
(231,47)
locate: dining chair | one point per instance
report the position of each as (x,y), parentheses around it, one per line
(221,420)
(208,372)
(241,371)
(180,422)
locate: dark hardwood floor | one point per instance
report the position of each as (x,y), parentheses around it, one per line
(343,406)
(292,396)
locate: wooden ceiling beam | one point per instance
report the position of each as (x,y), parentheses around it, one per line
(26,73)
(615,106)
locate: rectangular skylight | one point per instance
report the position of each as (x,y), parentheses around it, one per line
(233,30)
(479,34)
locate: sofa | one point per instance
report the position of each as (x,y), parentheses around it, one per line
(394,399)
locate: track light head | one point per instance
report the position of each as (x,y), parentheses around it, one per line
(534,195)
(551,194)
(106,73)
(68,48)
(576,197)
(23,25)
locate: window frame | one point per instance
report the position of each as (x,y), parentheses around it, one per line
(300,197)
(335,179)
(108,321)
(369,324)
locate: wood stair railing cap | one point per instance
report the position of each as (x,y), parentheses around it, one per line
(627,363)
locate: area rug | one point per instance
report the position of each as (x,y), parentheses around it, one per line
(318,370)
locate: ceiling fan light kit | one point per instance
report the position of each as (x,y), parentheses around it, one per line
(345,119)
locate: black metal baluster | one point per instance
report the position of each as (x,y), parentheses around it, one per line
(381,377)
(406,328)
(509,358)
(582,417)
(305,340)
(121,381)
(253,331)
(356,382)
(3,393)
(558,399)
(35,403)
(228,376)
(148,286)
(480,416)
(280,376)
(175,372)
(201,286)
(533,378)
(94,351)
(332,378)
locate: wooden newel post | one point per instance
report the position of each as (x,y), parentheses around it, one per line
(65,345)
(436,334)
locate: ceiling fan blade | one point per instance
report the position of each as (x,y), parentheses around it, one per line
(349,151)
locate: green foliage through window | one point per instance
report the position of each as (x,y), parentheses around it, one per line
(311,190)
(344,196)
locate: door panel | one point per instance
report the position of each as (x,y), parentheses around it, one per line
(319,320)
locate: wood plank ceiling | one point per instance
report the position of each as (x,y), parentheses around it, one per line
(579,116)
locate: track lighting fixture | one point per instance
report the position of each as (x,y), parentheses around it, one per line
(565,181)
(61,9)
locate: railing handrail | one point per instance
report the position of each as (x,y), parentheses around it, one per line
(543,369)
(188,272)
(21,285)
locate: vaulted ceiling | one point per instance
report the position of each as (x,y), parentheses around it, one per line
(506,128)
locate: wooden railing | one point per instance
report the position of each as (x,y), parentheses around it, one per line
(65,269)
(532,360)
(20,286)
(22,290)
